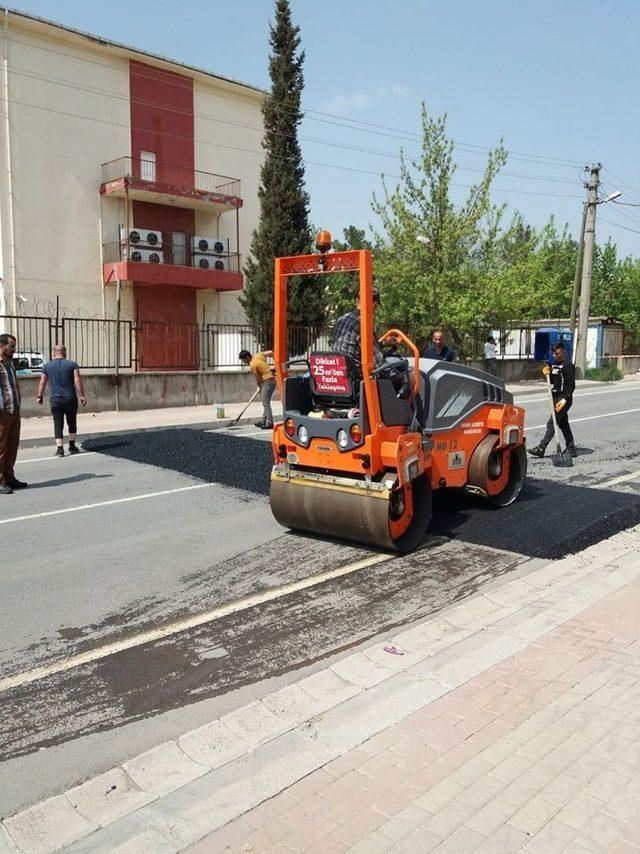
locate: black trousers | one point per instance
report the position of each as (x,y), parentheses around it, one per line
(62,408)
(562,418)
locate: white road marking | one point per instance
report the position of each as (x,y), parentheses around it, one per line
(176,626)
(542,397)
(107,503)
(51,457)
(589,418)
(617,480)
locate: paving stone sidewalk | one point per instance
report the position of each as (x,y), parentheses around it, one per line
(540,752)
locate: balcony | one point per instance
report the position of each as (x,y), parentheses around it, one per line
(171,264)
(148,181)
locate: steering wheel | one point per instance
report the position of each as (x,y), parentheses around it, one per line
(396,369)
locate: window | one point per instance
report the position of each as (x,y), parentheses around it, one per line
(148,165)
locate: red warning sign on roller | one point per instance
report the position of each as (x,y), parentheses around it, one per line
(330,374)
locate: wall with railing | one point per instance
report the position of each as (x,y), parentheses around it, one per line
(174,176)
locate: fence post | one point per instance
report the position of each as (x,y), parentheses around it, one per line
(203,341)
(117,364)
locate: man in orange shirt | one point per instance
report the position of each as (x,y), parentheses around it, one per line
(265,380)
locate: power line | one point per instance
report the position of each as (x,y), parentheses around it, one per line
(353,124)
(233,147)
(246,125)
(618,225)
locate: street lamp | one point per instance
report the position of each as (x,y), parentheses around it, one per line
(610,197)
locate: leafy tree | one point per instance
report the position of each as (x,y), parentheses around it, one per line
(438,282)
(283,227)
(341,291)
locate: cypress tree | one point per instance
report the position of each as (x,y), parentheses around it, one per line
(283,227)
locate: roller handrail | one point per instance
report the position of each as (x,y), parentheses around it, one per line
(396,333)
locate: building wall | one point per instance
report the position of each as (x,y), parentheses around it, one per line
(62,129)
(228,134)
(70,112)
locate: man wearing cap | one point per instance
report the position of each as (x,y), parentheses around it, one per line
(346,335)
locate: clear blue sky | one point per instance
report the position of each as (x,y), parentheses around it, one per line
(556,80)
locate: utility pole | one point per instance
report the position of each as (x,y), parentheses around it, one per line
(577,279)
(587,269)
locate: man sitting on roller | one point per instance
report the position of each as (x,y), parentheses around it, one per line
(346,336)
(346,340)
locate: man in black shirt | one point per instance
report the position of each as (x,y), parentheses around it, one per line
(438,349)
(563,384)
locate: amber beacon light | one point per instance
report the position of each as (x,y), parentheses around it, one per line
(323,240)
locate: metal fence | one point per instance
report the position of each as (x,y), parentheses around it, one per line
(91,342)
(151,345)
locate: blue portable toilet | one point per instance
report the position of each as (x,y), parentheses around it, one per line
(545,339)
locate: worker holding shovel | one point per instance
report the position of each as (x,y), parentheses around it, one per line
(265,381)
(562,374)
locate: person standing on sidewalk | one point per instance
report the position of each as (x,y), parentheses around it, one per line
(490,356)
(9,417)
(265,380)
(65,386)
(563,383)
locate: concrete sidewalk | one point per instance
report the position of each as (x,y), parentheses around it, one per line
(35,430)
(511,721)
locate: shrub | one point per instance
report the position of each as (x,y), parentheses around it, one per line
(604,374)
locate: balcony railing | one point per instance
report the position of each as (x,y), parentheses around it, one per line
(176,254)
(167,175)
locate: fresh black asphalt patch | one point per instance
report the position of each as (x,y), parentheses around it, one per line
(549,520)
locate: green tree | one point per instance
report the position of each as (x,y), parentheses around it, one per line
(437,282)
(341,290)
(283,228)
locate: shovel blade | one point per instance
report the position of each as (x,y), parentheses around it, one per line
(562,459)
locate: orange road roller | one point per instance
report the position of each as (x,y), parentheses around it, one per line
(362,446)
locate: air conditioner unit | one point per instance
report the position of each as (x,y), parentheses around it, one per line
(215,245)
(210,262)
(146,256)
(141,237)
(221,246)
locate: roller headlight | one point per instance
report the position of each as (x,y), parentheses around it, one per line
(303,434)
(343,438)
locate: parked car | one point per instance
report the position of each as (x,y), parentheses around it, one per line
(28,362)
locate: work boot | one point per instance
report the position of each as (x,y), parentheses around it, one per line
(14,483)
(73,448)
(571,450)
(264,425)
(60,451)
(5,489)
(538,451)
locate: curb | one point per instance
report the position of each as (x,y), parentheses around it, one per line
(45,441)
(180,791)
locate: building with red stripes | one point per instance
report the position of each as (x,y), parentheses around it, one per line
(123,175)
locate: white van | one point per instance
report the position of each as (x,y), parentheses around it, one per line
(28,362)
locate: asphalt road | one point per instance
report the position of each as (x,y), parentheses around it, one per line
(147,531)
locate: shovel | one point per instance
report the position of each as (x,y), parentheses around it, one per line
(560,458)
(235,420)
